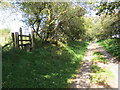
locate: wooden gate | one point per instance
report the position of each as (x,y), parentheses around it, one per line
(23,41)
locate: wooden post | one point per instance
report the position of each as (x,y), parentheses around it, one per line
(21,38)
(32,39)
(13,39)
(16,40)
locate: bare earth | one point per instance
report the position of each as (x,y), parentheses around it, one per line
(82,79)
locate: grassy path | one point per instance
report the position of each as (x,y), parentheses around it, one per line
(99,70)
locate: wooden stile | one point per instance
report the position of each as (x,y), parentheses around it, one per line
(21,38)
(7,44)
(32,39)
(16,40)
(24,40)
(24,36)
(13,39)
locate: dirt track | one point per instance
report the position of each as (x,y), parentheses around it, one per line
(82,79)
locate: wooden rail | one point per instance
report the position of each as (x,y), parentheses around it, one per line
(23,35)
(24,40)
(24,44)
(18,40)
(7,44)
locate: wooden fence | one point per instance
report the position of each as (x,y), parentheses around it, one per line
(22,41)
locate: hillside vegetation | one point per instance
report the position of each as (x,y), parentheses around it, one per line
(48,66)
(63,30)
(112,46)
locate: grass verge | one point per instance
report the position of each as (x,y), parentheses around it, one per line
(112,46)
(48,66)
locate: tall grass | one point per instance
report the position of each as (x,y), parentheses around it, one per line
(48,66)
(112,46)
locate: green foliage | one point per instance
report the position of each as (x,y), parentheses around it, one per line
(112,46)
(109,8)
(48,66)
(89,25)
(73,23)
(109,22)
(54,20)
(106,26)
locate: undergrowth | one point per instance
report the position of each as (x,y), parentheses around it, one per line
(112,46)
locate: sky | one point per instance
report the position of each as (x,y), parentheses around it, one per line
(89,8)
(11,20)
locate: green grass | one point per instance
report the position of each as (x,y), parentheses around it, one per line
(99,57)
(48,66)
(112,46)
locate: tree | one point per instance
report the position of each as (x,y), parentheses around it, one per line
(108,8)
(89,25)
(54,20)
(110,22)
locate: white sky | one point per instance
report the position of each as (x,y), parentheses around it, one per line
(10,19)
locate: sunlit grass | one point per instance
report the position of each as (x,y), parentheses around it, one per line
(112,46)
(101,76)
(99,57)
(48,66)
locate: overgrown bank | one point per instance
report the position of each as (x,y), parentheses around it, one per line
(112,46)
(48,66)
